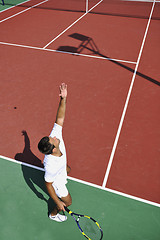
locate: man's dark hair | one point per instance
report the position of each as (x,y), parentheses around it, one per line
(45,146)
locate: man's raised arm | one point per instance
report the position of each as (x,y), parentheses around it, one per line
(62,105)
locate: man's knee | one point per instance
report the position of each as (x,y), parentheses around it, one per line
(67,200)
(70,202)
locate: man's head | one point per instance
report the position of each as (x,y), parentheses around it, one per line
(47,145)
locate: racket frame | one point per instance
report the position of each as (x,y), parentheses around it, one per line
(77,221)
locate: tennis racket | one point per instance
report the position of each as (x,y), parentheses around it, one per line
(87,225)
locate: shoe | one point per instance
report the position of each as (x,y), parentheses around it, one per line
(58,217)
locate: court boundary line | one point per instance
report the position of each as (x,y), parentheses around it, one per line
(14,15)
(71,25)
(70,53)
(87,183)
(126,102)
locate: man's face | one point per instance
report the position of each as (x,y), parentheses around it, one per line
(54,141)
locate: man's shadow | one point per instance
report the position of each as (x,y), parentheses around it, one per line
(33,177)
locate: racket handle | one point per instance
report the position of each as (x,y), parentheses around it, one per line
(67,209)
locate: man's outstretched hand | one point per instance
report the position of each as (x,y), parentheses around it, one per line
(63,90)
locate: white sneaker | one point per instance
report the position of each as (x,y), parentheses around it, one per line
(58,217)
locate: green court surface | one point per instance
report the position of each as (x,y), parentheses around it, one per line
(24,206)
(9,4)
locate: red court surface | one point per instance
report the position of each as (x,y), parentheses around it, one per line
(43,25)
(48,6)
(116,38)
(97,91)
(99,112)
(137,156)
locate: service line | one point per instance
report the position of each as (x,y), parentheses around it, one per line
(70,53)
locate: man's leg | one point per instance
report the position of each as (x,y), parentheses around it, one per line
(67,200)
(55,213)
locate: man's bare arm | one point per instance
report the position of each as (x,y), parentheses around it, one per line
(62,105)
(58,202)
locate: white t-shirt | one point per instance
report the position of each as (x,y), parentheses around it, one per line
(55,167)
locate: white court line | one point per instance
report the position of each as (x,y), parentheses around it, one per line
(76,54)
(71,25)
(126,104)
(150,1)
(86,6)
(14,15)
(103,187)
(15,6)
(87,183)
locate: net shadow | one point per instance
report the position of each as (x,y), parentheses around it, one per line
(89,44)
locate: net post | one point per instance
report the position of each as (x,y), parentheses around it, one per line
(2,2)
(86,6)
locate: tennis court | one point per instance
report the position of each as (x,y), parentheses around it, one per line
(108,54)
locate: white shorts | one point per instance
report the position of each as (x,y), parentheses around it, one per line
(61,190)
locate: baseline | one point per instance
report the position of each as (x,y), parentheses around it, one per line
(86,183)
(112,212)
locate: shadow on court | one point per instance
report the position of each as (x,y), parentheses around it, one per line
(27,155)
(88,43)
(118,8)
(34,178)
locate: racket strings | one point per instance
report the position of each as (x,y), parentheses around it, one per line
(90,228)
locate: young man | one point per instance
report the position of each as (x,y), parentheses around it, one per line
(55,163)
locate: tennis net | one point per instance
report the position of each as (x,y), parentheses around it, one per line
(122,8)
